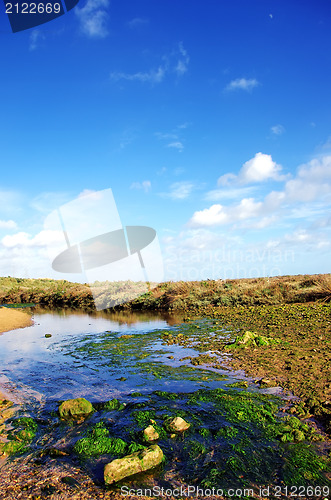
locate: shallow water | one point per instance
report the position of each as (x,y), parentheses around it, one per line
(102,356)
(87,354)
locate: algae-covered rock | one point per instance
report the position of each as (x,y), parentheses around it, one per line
(114,404)
(178,424)
(139,461)
(254,339)
(75,408)
(150,434)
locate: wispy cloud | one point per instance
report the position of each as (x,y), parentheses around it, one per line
(176,62)
(228,193)
(183,60)
(242,84)
(175,137)
(179,190)
(152,76)
(93,18)
(137,22)
(176,145)
(145,185)
(35,36)
(277,129)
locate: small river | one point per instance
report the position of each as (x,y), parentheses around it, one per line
(99,356)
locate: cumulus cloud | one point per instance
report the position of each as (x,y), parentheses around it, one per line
(312,183)
(145,185)
(42,239)
(93,18)
(259,169)
(218,215)
(246,84)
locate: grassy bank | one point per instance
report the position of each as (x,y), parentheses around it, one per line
(181,295)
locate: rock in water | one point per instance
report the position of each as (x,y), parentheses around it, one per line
(75,408)
(139,461)
(178,424)
(150,434)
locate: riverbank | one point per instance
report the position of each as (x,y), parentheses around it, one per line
(11,319)
(169,296)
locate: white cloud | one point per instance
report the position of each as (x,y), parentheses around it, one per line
(183,61)
(176,145)
(242,84)
(177,62)
(93,18)
(42,239)
(258,169)
(278,129)
(8,224)
(218,215)
(312,182)
(213,216)
(179,190)
(152,76)
(145,185)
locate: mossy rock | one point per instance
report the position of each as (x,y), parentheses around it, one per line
(75,408)
(140,461)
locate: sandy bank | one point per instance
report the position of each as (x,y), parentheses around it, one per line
(11,319)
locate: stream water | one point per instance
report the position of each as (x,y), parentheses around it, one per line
(98,356)
(132,371)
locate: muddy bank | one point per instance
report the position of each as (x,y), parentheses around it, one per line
(11,319)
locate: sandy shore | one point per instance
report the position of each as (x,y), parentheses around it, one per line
(11,319)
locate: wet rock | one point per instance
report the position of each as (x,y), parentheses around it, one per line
(78,407)
(139,461)
(150,434)
(178,424)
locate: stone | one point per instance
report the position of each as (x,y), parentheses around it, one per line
(75,408)
(150,434)
(48,335)
(138,461)
(178,424)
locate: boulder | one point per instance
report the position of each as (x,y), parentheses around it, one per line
(139,461)
(75,408)
(150,434)
(178,424)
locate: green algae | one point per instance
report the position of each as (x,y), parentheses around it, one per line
(114,404)
(98,442)
(19,439)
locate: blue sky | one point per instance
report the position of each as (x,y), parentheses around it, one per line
(210,121)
